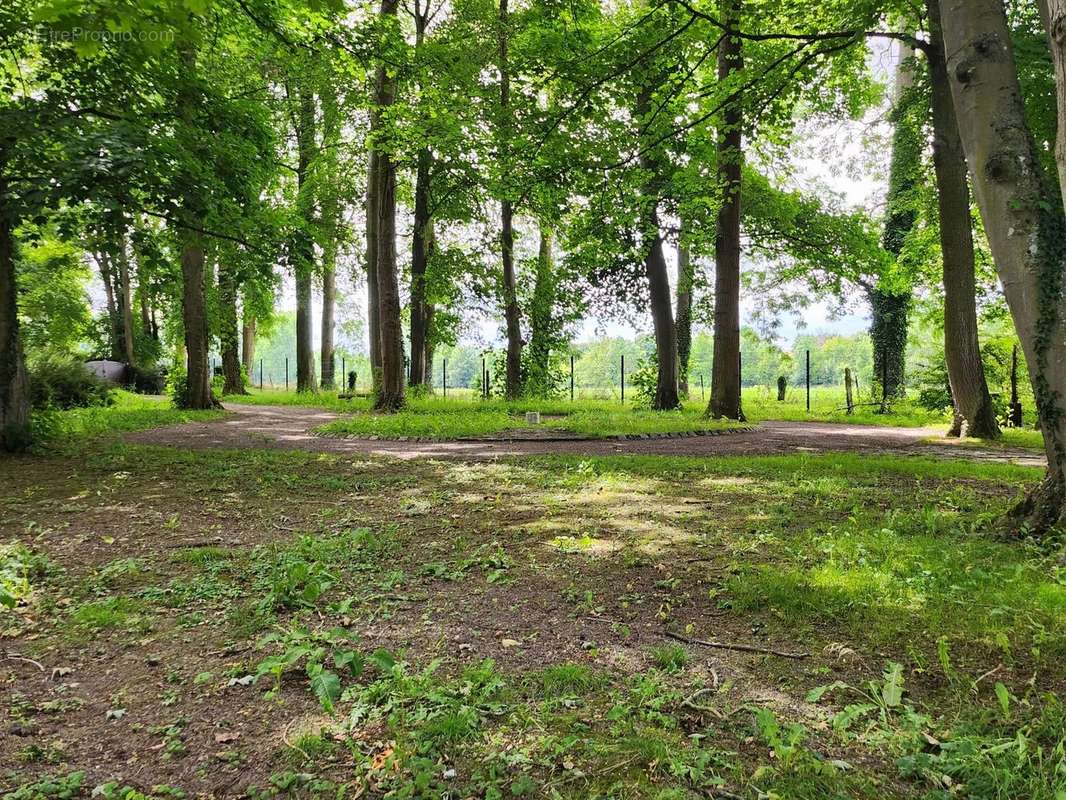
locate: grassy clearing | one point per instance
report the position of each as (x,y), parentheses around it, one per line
(461,415)
(294,624)
(129,412)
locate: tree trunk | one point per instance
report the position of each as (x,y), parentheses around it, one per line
(512,314)
(14,383)
(1053,13)
(684,316)
(194,315)
(146,314)
(390,395)
(248,345)
(662,317)
(890,309)
(330,210)
(1023,218)
(193,303)
(848,398)
(103,260)
(126,295)
(427,377)
(962,349)
(372,305)
(303,249)
(233,383)
(421,237)
(725,371)
(542,328)
(888,332)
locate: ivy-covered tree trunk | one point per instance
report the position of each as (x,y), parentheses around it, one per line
(14,383)
(683,303)
(421,236)
(511,311)
(372,304)
(233,383)
(330,221)
(725,371)
(390,394)
(543,332)
(1024,222)
(303,245)
(248,345)
(1053,13)
(962,349)
(889,312)
(889,305)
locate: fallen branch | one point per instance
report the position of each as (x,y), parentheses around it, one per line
(10,656)
(744,648)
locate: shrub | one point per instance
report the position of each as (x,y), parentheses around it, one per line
(146,380)
(61,384)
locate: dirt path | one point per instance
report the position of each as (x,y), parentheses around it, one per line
(289,427)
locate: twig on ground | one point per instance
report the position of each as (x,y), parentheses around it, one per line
(12,656)
(285,738)
(744,648)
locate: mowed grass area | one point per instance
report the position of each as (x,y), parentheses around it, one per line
(292,624)
(129,412)
(463,414)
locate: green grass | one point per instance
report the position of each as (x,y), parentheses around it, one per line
(462,414)
(129,412)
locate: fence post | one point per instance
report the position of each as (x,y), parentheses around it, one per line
(623,377)
(571,377)
(444,377)
(344,371)
(847,390)
(808,381)
(260,374)
(701,386)
(286,373)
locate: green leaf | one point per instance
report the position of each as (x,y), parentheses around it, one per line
(815,694)
(892,692)
(325,685)
(1004,698)
(350,660)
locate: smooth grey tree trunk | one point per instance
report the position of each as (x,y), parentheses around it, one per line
(962,348)
(1023,219)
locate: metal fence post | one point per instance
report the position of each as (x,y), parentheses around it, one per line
(444,377)
(286,373)
(701,386)
(260,374)
(808,381)
(571,377)
(623,377)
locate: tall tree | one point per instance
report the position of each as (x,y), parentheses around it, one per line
(725,371)
(683,303)
(228,284)
(14,385)
(889,301)
(509,285)
(390,392)
(329,211)
(303,243)
(194,304)
(962,348)
(1024,221)
(422,233)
